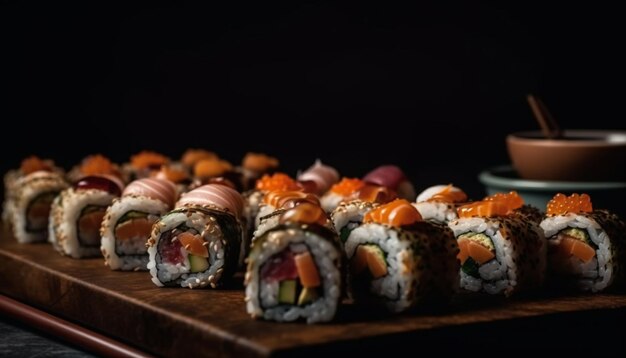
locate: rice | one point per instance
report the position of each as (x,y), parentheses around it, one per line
(520,254)
(261,296)
(222,236)
(64,216)
(606,231)
(127,255)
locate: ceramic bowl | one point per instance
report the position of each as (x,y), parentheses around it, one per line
(581,155)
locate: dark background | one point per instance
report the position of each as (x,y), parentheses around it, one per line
(431,88)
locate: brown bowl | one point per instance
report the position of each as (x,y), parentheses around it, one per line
(581,155)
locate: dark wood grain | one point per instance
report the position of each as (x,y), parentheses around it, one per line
(170,321)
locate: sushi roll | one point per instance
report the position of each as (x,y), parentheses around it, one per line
(340,192)
(216,171)
(267,183)
(175,173)
(198,244)
(349,214)
(276,202)
(392,177)
(144,164)
(501,251)
(438,203)
(318,178)
(586,247)
(398,261)
(33,198)
(278,199)
(295,269)
(77,213)
(13,178)
(95,164)
(193,156)
(128,222)
(255,165)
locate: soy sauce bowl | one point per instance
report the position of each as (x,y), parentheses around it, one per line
(581,155)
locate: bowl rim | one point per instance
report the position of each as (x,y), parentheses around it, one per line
(490,177)
(535,138)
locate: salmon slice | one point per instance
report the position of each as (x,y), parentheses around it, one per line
(89,227)
(134,228)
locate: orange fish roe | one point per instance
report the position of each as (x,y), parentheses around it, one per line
(396,213)
(192,156)
(448,195)
(33,164)
(97,164)
(259,162)
(499,204)
(305,213)
(347,186)
(277,181)
(284,199)
(562,204)
(208,168)
(148,159)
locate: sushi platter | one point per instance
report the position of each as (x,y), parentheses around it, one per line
(198,256)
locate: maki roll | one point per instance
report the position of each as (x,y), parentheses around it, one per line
(33,198)
(349,214)
(275,203)
(397,260)
(193,156)
(254,165)
(586,247)
(501,251)
(267,183)
(340,192)
(77,213)
(211,171)
(295,269)
(128,222)
(13,178)
(144,164)
(438,203)
(198,244)
(95,164)
(392,177)
(318,178)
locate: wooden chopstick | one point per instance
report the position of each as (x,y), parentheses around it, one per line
(548,124)
(69,332)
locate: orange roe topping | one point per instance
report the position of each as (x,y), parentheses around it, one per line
(499,204)
(33,164)
(448,195)
(148,159)
(347,186)
(562,204)
(396,213)
(286,199)
(193,156)
(259,162)
(277,181)
(305,213)
(97,164)
(208,168)
(174,175)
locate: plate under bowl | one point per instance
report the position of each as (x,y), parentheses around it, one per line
(604,195)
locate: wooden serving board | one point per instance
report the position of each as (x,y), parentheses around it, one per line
(167,321)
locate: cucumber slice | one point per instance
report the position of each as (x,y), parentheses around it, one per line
(198,263)
(287,292)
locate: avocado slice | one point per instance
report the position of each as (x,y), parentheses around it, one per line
(577,233)
(198,263)
(480,238)
(287,292)
(308,295)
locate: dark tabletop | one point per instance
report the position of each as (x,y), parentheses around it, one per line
(17,340)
